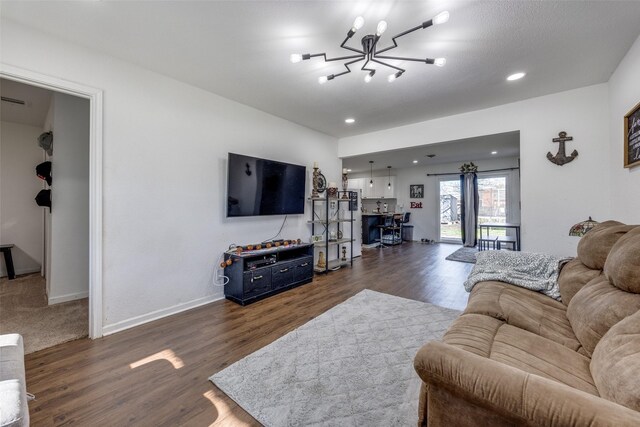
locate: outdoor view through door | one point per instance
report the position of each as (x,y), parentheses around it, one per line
(492,192)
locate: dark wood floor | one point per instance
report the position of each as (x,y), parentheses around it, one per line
(157,374)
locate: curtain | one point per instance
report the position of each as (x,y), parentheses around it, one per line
(469,208)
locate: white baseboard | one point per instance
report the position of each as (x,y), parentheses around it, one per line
(68,297)
(159,314)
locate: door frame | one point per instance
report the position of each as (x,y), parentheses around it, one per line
(95,97)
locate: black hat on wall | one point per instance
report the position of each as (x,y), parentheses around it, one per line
(44,199)
(43,170)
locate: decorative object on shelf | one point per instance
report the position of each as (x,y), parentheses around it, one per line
(332,236)
(314,181)
(416,191)
(561,157)
(268,245)
(632,137)
(385,207)
(344,254)
(389,170)
(370,53)
(332,190)
(317,238)
(378,203)
(469,168)
(322,261)
(345,184)
(340,235)
(322,183)
(45,141)
(581,228)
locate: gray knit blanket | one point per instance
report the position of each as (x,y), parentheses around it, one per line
(537,272)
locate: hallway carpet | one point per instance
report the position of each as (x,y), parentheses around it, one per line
(24,310)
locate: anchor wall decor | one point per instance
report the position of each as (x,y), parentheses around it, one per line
(561,157)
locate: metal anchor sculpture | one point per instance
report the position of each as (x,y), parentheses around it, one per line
(561,157)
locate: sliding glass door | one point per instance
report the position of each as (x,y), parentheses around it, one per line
(493,203)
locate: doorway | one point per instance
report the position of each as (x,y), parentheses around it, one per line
(450,227)
(95,98)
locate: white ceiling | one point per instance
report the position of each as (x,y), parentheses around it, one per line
(462,150)
(240,50)
(33,112)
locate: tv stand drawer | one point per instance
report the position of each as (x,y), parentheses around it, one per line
(257,282)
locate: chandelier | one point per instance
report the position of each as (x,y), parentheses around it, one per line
(369,52)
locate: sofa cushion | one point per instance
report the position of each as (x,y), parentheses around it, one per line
(496,340)
(596,308)
(525,309)
(616,363)
(594,247)
(623,264)
(573,276)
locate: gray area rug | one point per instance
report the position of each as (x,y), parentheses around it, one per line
(350,366)
(24,310)
(464,255)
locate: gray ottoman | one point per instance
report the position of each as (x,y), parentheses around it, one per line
(14,410)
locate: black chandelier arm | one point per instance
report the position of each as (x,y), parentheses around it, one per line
(367,69)
(344,46)
(324,55)
(387,65)
(346,65)
(426,60)
(424,25)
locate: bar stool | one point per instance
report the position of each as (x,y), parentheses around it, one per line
(487,242)
(507,240)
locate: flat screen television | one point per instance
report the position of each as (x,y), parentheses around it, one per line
(264,187)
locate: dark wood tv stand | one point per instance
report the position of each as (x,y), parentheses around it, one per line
(293,267)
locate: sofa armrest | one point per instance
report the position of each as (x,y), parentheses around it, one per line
(507,390)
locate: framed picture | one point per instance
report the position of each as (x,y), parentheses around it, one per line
(416,191)
(632,137)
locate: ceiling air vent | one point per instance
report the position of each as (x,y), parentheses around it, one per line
(13,100)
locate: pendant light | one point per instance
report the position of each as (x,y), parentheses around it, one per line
(371,175)
(389,185)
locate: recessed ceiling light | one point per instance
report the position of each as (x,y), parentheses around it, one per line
(494,152)
(415,161)
(348,170)
(349,120)
(516,76)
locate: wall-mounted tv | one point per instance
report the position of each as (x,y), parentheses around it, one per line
(264,187)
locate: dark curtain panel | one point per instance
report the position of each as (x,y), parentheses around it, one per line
(469,208)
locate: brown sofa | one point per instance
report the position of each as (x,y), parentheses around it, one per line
(517,357)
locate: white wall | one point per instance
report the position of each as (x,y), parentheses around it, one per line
(624,94)
(426,220)
(165,147)
(21,220)
(553,197)
(68,277)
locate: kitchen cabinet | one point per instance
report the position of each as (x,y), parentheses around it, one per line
(380,188)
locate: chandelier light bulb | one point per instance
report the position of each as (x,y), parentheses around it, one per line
(440,62)
(371,183)
(368,78)
(357,24)
(391,78)
(295,58)
(322,79)
(389,186)
(441,18)
(382,27)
